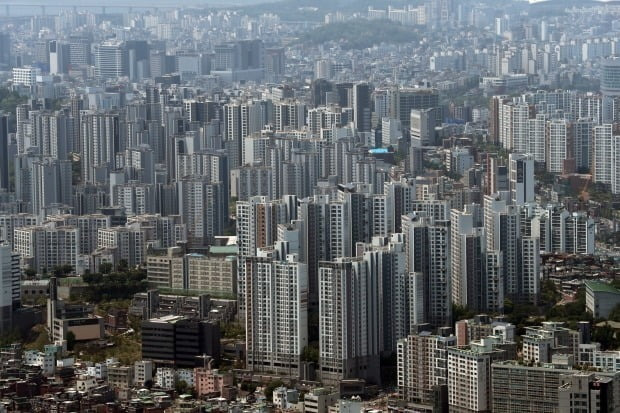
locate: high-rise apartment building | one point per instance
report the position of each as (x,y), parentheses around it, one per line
(422,365)
(276,311)
(10,293)
(350,319)
(427,244)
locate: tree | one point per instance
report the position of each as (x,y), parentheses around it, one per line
(605,335)
(70,340)
(271,387)
(310,353)
(123,265)
(105,267)
(30,272)
(63,270)
(181,387)
(92,278)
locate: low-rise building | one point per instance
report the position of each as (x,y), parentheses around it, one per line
(209,382)
(601,298)
(120,377)
(143,372)
(319,400)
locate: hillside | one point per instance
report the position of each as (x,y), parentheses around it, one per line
(360,34)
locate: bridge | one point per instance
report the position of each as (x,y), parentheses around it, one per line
(43,7)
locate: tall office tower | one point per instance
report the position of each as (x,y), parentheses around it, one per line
(361,107)
(467,248)
(560,139)
(427,243)
(521,178)
(111,60)
(41,54)
(583,143)
(50,184)
(79,51)
(615,165)
(59,57)
(601,161)
(10,292)
(124,243)
(350,319)
(275,62)
(318,90)
(138,65)
(422,123)
(422,361)
(201,204)
(257,222)
(495,108)
(100,133)
(501,223)
(344,94)
(537,134)
(610,88)
(277,312)
(402,101)
(5,50)
(44,247)
(4,152)
(53,134)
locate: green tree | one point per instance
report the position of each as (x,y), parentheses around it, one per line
(105,267)
(63,270)
(614,315)
(271,387)
(310,353)
(605,335)
(70,340)
(30,272)
(181,387)
(92,278)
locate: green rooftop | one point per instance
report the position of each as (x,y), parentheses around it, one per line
(224,249)
(601,287)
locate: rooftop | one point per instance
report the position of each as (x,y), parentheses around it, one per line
(601,287)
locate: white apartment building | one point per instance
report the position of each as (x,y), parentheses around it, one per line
(603,153)
(44,247)
(276,313)
(558,140)
(26,75)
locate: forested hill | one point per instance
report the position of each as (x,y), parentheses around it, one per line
(360,34)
